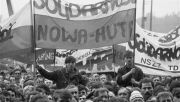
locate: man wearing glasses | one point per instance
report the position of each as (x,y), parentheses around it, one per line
(64,76)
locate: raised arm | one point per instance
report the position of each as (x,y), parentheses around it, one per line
(46,74)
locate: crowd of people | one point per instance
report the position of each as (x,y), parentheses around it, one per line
(69,85)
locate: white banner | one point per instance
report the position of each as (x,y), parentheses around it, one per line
(65,25)
(157,53)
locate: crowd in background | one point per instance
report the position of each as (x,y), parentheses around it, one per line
(21,87)
(73,86)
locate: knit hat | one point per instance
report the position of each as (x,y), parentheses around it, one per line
(134,95)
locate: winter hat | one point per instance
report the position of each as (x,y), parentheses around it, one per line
(134,95)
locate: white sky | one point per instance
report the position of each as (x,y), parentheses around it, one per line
(160,7)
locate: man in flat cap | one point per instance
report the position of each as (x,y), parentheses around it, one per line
(64,76)
(129,75)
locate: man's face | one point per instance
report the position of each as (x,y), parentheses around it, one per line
(123,93)
(147,89)
(83,92)
(74,92)
(156,79)
(103,78)
(104,96)
(12,79)
(49,83)
(17,74)
(70,66)
(129,60)
(165,99)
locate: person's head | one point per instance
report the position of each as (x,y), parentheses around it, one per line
(146,86)
(102,93)
(39,98)
(96,77)
(49,83)
(27,89)
(73,90)
(62,95)
(103,78)
(45,88)
(175,90)
(124,93)
(152,99)
(12,79)
(6,94)
(156,79)
(165,97)
(128,57)
(7,82)
(158,89)
(136,96)
(70,62)
(82,98)
(17,73)
(12,92)
(94,85)
(82,90)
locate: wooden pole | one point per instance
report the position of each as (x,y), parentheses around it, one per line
(9,7)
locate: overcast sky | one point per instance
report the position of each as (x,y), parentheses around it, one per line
(160,7)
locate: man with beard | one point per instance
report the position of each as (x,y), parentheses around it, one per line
(129,75)
(64,76)
(147,87)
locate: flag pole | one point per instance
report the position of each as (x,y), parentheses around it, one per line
(113,50)
(33,36)
(134,32)
(10,8)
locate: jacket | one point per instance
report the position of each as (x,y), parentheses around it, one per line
(62,78)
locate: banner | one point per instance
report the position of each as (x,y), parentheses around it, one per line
(43,56)
(100,61)
(15,33)
(65,25)
(80,55)
(157,53)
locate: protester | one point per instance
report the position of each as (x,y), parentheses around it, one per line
(64,76)
(124,93)
(129,75)
(136,96)
(165,97)
(147,87)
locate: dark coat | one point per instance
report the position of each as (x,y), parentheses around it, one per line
(62,78)
(138,75)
